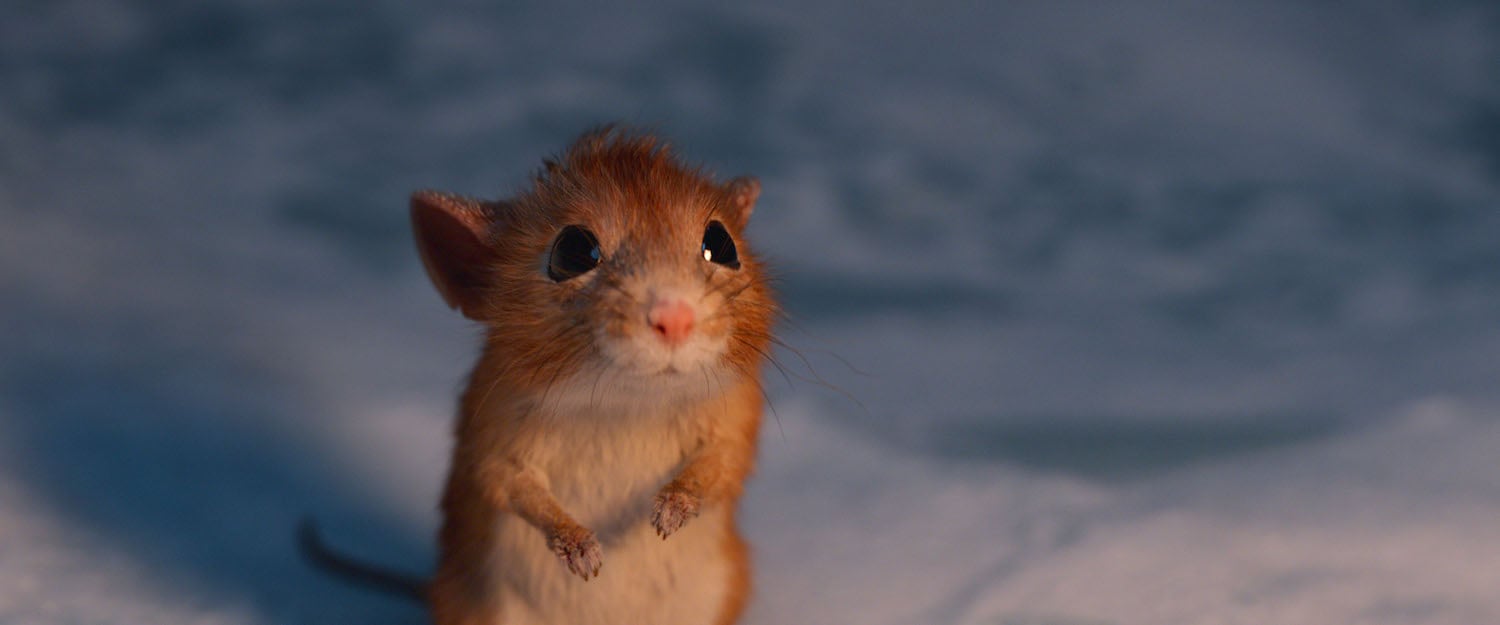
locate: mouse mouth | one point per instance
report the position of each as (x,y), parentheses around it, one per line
(643,356)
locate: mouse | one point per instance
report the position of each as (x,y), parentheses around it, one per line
(605,434)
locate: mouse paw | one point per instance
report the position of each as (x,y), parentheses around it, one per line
(672,510)
(578,548)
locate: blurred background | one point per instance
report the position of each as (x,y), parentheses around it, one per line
(1158,312)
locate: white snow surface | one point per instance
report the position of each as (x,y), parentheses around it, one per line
(1148,313)
(1393,525)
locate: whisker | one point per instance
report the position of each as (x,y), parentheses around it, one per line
(768,357)
(703,368)
(562,364)
(746,371)
(593,403)
(723,398)
(816,379)
(737,292)
(770,404)
(739,308)
(494,338)
(787,320)
(484,399)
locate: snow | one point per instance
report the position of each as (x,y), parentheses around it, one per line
(55,573)
(1364,528)
(1148,313)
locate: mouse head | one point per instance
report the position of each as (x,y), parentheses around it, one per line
(620,271)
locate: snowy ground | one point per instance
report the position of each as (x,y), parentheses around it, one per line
(1142,313)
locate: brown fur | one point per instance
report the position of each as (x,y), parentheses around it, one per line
(488,259)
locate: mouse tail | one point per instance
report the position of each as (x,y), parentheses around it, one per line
(320,556)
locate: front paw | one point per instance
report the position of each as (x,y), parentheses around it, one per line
(672,510)
(577,547)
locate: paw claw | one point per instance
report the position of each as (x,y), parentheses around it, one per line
(673,509)
(578,549)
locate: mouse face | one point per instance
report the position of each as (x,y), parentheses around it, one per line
(622,275)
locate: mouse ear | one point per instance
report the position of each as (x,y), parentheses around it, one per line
(743,192)
(450,232)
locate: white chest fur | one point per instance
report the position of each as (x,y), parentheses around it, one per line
(606,473)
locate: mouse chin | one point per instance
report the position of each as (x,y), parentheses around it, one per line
(667,371)
(612,390)
(691,371)
(646,359)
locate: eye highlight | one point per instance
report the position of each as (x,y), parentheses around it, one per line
(718,246)
(575,252)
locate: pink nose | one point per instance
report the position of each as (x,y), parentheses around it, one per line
(672,320)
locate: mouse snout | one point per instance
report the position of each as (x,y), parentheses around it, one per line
(672,320)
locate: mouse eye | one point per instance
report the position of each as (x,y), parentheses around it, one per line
(718,246)
(574,253)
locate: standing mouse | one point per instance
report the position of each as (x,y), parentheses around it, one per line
(607,430)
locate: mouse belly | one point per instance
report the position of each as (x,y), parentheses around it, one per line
(683,580)
(608,481)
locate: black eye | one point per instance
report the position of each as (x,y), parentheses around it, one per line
(718,246)
(574,253)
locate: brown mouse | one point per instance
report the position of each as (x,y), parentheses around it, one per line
(607,430)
